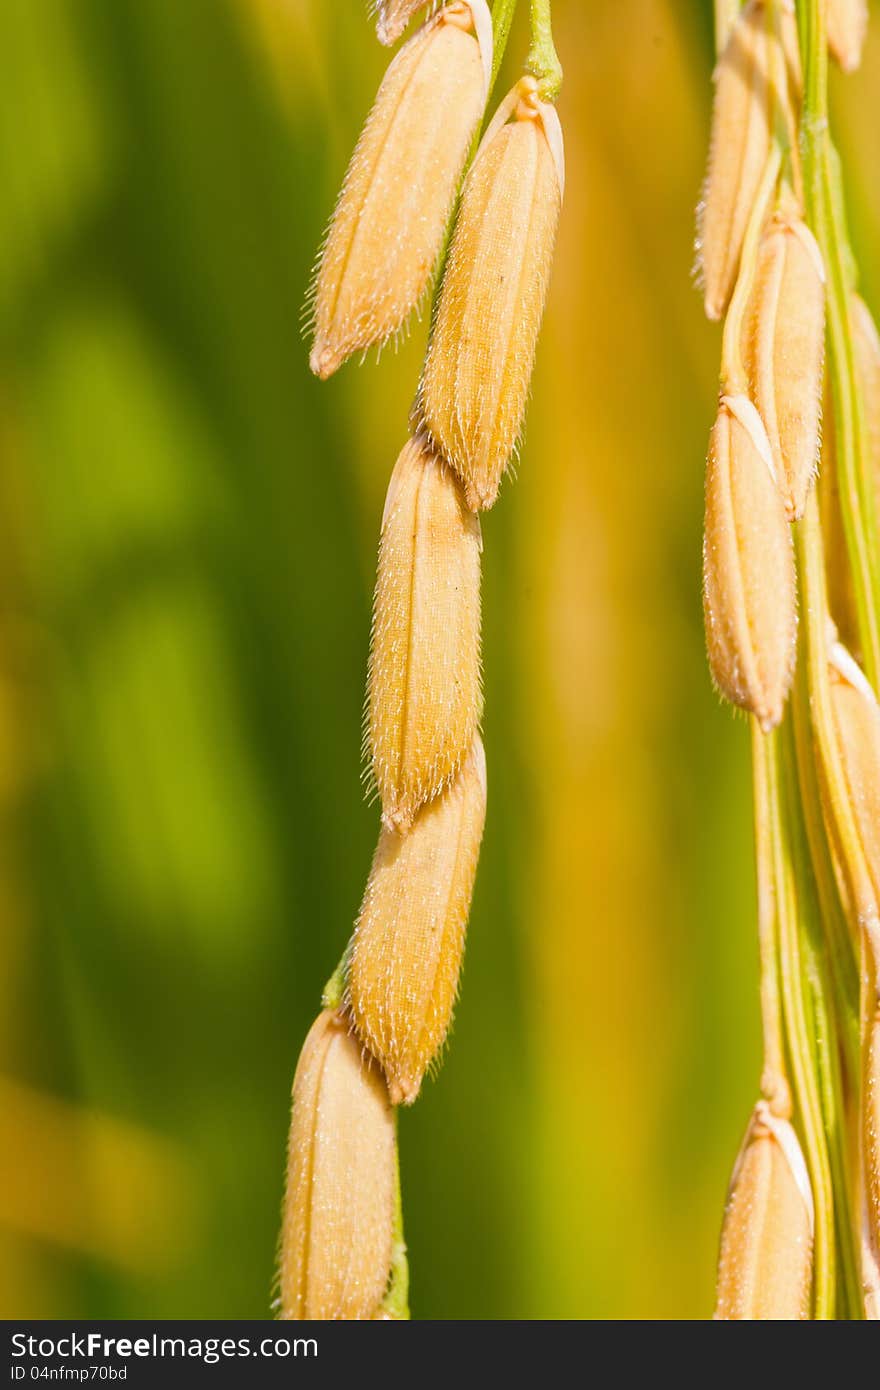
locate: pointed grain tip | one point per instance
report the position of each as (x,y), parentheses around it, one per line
(324,361)
(770,721)
(403,1090)
(480,499)
(410,934)
(398,820)
(713,307)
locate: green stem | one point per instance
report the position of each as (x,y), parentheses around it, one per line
(395,1304)
(774,1080)
(503,12)
(801,1048)
(334,990)
(840,943)
(814,638)
(825,206)
(841,825)
(825,211)
(833,1115)
(851,444)
(821,1020)
(543,61)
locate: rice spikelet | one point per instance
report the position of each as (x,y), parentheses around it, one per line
(742,116)
(482,349)
(336,1236)
(385,237)
(749,596)
(409,937)
(424,698)
(784,353)
(765,1263)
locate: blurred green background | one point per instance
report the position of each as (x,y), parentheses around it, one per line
(188,527)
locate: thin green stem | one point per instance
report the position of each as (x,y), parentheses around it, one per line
(842,827)
(774,1081)
(503,12)
(825,211)
(851,444)
(333,996)
(841,946)
(821,1020)
(831,1094)
(814,636)
(801,1048)
(825,207)
(543,61)
(395,1304)
(814,54)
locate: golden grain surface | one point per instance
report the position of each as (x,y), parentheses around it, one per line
(424,697)
(749,594)
(765,1262)
(738,151)
(482,350)
(336,1239)
(409,938)
(784,354)
(387,230)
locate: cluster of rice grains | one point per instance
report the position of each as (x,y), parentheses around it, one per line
(801,1232)
(388,1008)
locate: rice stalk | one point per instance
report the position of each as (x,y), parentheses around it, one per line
(388,1006)
(775,255)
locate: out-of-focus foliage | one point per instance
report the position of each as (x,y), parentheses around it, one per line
(188,526)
